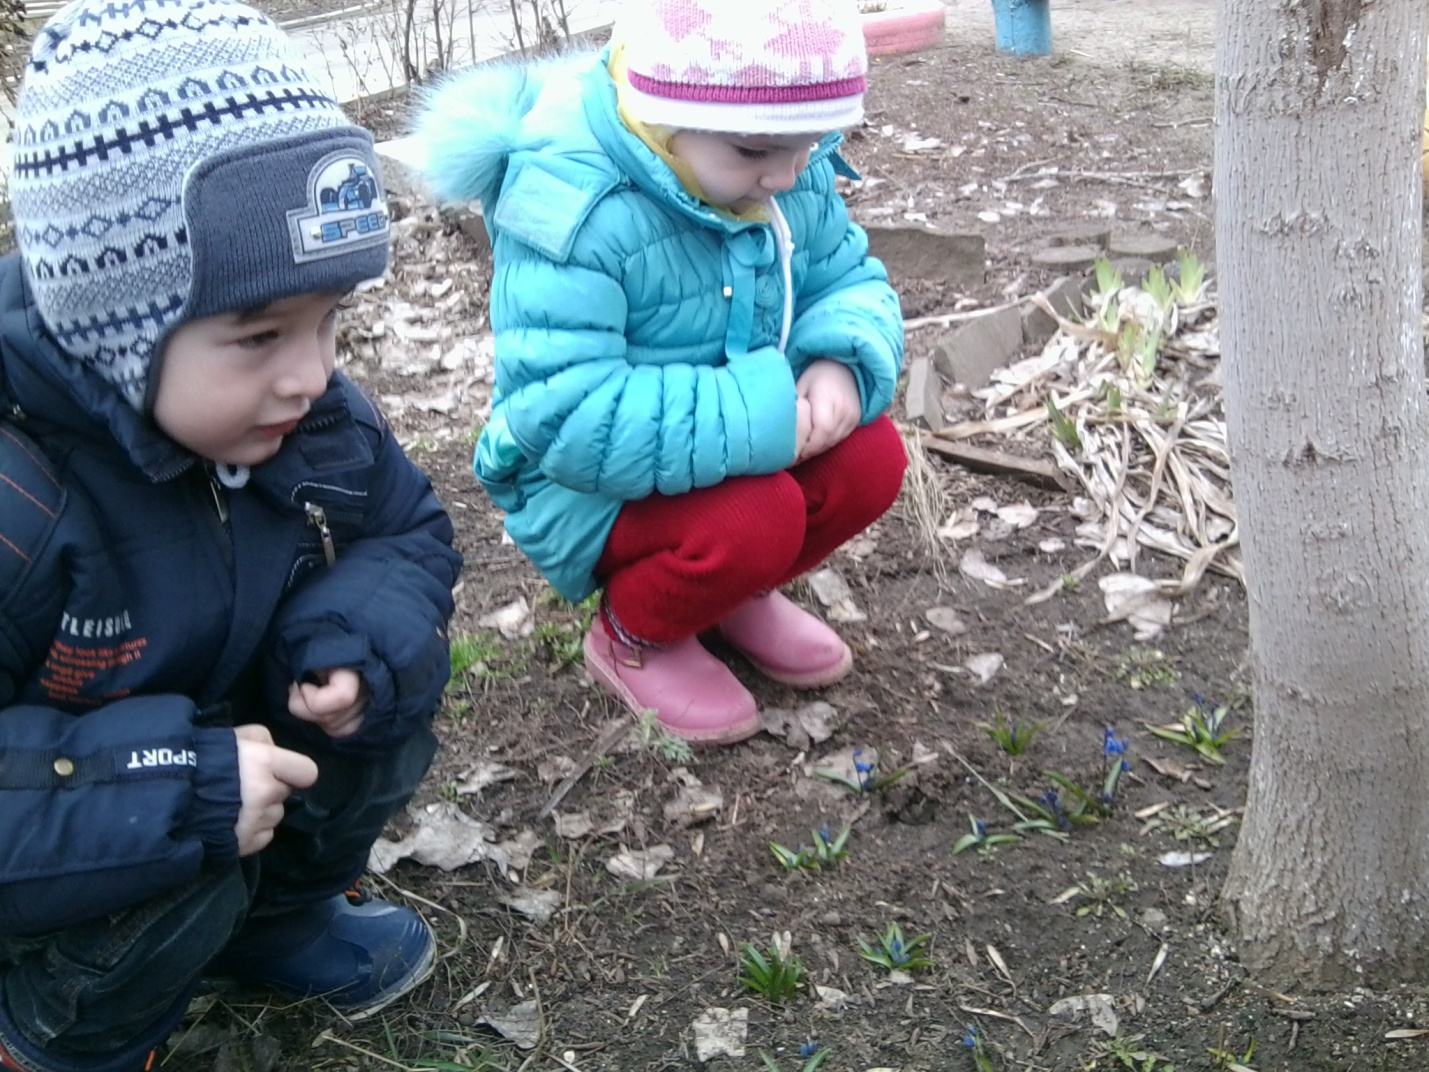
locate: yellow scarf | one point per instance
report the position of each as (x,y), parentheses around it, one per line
(657,139)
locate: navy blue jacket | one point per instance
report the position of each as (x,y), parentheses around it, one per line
(144,609)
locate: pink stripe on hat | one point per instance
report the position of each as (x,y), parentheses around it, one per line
(787,62)
(818,91)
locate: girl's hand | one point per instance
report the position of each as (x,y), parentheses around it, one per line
(834,406)
(337,701)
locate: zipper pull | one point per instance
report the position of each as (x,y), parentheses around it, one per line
(216,490)
(317,518)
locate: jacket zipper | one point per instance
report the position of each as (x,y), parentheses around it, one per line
(317,518)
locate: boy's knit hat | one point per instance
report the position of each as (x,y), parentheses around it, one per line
(173,161)
(741,67)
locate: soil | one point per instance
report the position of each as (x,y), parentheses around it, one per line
(625,966)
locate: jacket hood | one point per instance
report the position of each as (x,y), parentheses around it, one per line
(50,386)
(470,124)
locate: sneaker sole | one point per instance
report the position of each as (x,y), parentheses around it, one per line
(606,679)
(416,978)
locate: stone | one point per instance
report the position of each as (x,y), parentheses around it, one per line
(403,165)
(923,399)
(1086,234)
(1065,296)
(1150,247)
(927,253)
(971,354)
(471,220)
(1067,258)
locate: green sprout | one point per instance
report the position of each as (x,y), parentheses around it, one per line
(810,1053)
(1063,430)
(774,974)
(1130,1053)
(1138,349)
(1187,824)
(1112,397)
(1101,894)
(471,654)
(660,741)
(1200,729)
(1109,280)
(1225,1060)
(828,849)
(1190,282)
(972,1041)
(1140,667)
(866,778)
(897,953)
(1008,735)
(1159,287)
(980,839)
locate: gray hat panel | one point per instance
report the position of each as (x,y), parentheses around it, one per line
(123,102)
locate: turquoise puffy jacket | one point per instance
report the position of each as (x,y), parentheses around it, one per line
(638,330)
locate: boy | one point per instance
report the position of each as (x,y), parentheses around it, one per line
(223,588)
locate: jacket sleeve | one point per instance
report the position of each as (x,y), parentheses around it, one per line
(381,608)
(845,310)
(103,810)
(107,809)
(593,420)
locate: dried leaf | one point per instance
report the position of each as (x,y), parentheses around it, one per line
(984,667)
(833,592)
(485,774)
(513,621)
(641,865)
(694,804)
(720,1033)
(1020,515)
(1097,1006)
(1182,859)
(539,905)
(520,1024)
(976,566)
(1137,600)
(946,619)
(442,836)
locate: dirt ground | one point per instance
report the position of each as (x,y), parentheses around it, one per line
(565,948)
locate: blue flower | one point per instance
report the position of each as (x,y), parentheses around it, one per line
(1111,745)
(979,829)
(808,1049)
(863,770)
(970,1039)
(1053,804)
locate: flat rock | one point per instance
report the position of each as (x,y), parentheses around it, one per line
(1067,258)
(923,400)
(971,354)
(1149,247)
(1065,296)
(911,251)
(1086,234)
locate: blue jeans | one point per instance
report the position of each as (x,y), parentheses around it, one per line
(97,996)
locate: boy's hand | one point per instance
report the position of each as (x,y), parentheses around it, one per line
(834,405)
(267,774)
(336,702)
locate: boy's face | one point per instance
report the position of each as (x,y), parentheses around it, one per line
(742,170)
(232,386)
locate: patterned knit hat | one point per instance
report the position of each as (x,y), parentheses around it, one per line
(773,67)
(173,161)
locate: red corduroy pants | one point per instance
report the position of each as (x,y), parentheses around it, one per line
(675,565)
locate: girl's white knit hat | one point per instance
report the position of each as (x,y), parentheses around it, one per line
(745,66)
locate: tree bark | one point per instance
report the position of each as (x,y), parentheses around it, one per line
(1319,105)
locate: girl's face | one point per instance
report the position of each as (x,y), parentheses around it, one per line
(742,170)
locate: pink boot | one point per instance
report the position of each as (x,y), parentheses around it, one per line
(787,643)
(694,695)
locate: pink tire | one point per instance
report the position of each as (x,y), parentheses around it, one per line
(908,27)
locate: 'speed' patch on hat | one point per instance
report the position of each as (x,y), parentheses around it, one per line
(173,160)
(731,66)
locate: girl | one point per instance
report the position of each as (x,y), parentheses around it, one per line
(693,348)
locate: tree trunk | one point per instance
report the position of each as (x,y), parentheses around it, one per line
(1318,234)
